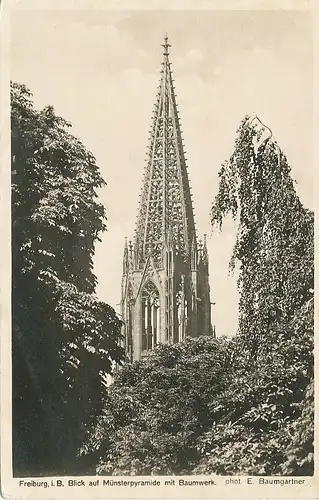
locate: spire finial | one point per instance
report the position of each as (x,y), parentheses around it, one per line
(166,46)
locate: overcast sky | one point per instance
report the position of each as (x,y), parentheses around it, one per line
(100,71)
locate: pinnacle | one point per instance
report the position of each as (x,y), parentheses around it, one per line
(166,46)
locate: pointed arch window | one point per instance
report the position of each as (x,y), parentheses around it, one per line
(150,316)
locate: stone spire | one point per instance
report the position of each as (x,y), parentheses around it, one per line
(165,285)
(165,202)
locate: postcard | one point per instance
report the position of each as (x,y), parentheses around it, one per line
(158,284)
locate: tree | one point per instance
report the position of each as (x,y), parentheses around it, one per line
(157,408)
(64,338)
(274,348)
(275,239)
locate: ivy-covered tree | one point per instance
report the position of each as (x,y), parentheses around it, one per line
(275,239)
(64,339)
(273,374)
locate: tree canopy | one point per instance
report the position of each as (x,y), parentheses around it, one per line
(197,407)
(157,408)
(64,338)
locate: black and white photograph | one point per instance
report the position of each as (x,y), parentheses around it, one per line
(162,249)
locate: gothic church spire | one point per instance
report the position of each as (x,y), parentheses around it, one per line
(165,203)
(165,285)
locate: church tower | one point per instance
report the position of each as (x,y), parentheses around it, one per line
(165,285)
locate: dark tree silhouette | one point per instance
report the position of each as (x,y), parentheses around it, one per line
(64,340)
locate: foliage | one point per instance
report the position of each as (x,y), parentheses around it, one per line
(273,353)
(275,239)
(163,402)
(274,250)
(234,448)
(64,339)
(300,450)
(257,416)
(196,408)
